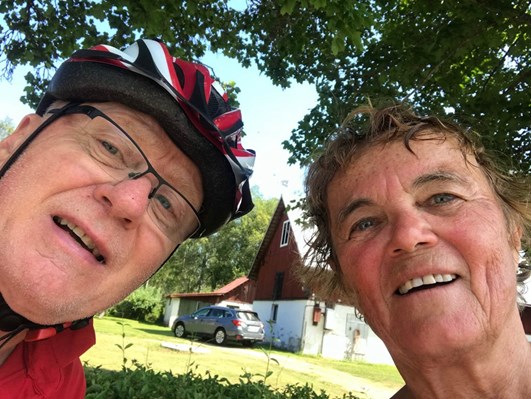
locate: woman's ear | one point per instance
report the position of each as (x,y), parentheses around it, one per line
(516,242)
(332,263)
(26,126)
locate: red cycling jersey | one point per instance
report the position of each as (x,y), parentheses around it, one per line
(48,368)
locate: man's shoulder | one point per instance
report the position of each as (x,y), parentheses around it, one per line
(68,345)
(50,365)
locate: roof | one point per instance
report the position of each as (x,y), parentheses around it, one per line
(220,292)
(232,285)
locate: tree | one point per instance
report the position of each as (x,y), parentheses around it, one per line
(469,60)
(208,263)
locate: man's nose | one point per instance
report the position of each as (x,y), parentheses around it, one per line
(127,199)
(410,232)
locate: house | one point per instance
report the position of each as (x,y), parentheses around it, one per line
(299,321)
(238,294)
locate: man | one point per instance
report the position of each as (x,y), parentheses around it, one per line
(129,154)
(423,234)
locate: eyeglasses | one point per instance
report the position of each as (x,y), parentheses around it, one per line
(114,151)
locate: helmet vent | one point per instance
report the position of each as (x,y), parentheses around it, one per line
(216,104)
(179,73)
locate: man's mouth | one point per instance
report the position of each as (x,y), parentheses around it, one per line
(80,236)
(424,282)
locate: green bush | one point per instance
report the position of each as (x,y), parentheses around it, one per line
(144,304)
(143,382)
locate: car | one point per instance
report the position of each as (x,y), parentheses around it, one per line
(222,324)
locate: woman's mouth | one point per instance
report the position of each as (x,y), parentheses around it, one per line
(423,282)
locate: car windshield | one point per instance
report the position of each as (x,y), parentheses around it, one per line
(248,316)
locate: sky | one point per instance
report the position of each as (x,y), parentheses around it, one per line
(269,115)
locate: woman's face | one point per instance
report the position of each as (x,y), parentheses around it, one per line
(421,240)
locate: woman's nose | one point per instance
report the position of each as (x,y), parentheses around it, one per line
(410,232)
(127,199)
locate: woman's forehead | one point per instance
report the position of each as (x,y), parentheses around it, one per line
(393,159)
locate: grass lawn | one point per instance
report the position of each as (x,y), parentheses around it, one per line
(144,345)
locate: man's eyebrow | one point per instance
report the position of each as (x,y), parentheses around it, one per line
(351,207)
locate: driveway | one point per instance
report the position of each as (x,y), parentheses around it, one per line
(359,386)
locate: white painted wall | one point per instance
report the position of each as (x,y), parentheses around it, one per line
(171,310)
(286,332)
(347,337)
(337,335)
(378,353)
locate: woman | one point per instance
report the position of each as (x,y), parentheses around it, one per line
(424,233)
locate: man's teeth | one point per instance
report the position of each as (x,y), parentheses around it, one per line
(425,280)
(82,236)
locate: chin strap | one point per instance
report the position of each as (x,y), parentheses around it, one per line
(12,323)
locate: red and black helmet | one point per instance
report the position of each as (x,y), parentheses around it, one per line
(187,102)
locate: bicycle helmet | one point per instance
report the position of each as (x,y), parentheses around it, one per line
(187,102)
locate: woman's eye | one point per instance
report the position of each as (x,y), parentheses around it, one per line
(441,199)
(362,226)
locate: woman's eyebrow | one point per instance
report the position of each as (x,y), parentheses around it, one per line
(351,207)
(438,176)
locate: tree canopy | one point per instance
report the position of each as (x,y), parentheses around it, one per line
(468,60)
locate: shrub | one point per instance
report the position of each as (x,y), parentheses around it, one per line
(144,304)
(141,382)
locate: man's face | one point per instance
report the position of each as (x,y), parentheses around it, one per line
(429,219)
(48,275)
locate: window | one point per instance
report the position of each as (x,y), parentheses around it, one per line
(217,313)
(201,312)
(277,287)
(284,238)
(274,312)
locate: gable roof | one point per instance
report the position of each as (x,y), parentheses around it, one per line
(232,285)
(301,235)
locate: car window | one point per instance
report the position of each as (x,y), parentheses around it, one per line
(201,313)
(248,316)
(216,313)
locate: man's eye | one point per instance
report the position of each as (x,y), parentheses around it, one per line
(110,147)
(164,202)
(111,153)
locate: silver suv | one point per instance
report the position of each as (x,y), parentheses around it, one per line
(222,324)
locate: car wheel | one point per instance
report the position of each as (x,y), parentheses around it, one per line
(179,330)
(220,336)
